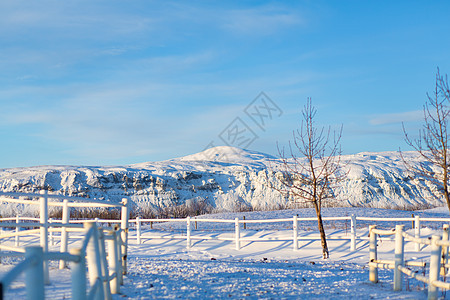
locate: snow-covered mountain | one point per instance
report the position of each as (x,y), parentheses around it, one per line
(227,179)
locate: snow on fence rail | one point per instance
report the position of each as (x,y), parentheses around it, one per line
(437,264)
(36,258)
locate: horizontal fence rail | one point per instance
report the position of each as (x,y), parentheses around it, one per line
(438,260)
(85,202)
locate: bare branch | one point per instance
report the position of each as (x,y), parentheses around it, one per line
(432,143)
(312,166)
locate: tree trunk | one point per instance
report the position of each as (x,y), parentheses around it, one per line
(445,165)
(323,238)
(445,186)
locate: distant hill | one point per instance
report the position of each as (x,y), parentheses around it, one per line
(227,179)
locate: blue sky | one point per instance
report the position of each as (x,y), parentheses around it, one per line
(121,82)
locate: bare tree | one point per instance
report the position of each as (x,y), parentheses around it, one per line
(311,167)
(432,144)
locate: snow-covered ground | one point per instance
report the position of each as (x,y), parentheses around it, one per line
(161,268)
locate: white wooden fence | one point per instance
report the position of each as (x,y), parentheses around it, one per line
(438,262)
(102,281)
(237,239)
(65,225)
(353,236)
(190,233)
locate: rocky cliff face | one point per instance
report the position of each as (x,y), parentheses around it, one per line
(225,178)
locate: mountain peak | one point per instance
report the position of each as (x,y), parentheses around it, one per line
(227,154)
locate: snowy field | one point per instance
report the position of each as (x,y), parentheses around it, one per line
(213,269)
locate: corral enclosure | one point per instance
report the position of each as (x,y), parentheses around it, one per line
(210,268)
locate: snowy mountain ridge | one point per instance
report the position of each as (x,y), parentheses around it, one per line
(226,178)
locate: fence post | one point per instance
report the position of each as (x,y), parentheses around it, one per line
(295,232)
(138,230)
(399,257)
(52,240)
(353,233)
(237,233)
(245,225)
(119,253)
(373,271)
(417,231)
(188,233)
(17,240)
(444,249)
(93,260)
(64,237)
(113,261)
(104,263)
(124,234)
(435,262)
(34,275)
(43,219)
(78,275)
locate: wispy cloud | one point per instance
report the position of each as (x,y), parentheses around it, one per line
(67,20)
(260,21)
(162,65)
(113,122)
(409,116)
(116,79)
